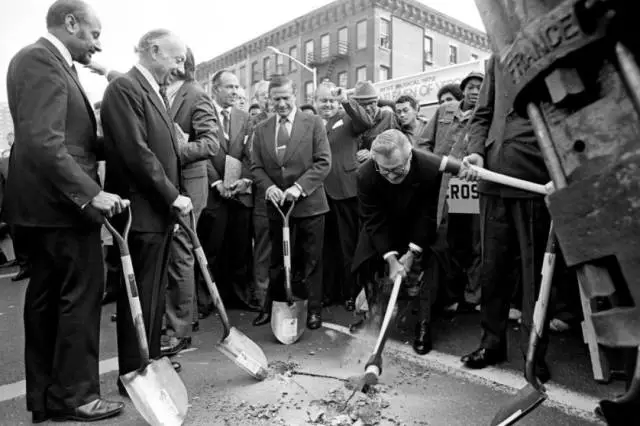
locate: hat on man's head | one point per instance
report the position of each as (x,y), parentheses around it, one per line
(472,75)
(365,91)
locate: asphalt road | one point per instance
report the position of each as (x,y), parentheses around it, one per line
(430,390)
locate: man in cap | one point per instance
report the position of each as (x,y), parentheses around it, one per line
(397,192)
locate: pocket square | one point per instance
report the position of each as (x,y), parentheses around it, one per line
(338,124)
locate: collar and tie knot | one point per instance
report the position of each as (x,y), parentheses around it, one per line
(163,95)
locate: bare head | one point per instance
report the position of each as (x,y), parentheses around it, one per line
(391,155)
(225,88)
(188,73)
(406,110)
(326,101)
(282,93)
(77,26)
(162,53)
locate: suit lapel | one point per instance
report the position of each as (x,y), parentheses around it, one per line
(73,76)
(297,130)
(235,126)
(270,138)
(157,103)
(179,100)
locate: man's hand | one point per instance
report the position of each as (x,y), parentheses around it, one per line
(97,68)
(340,94)
(275,194)
(291,194)
(109,204)
(407,260)
(183,205)
(466,172)
(363,155)
(396,268)
(224,192)
(239,186)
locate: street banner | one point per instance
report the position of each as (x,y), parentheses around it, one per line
(462,197)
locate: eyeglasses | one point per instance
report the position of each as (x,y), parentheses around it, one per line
(397,171)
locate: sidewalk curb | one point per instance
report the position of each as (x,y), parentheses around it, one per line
(559,397)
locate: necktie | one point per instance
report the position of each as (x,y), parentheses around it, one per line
(163,94)
(225,121)
(283,139)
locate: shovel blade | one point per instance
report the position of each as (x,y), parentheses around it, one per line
(288,321)
(525,401)
(158,393)
(245,353)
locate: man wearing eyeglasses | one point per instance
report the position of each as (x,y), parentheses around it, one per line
(398,196)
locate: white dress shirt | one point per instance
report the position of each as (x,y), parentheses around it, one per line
(219,110)
(172,91)
(151,79)
(61,48)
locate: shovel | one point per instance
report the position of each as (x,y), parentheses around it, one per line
(534,393)
(288,319)
(234,344)
(155,388)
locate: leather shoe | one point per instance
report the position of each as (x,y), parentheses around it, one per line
(176,346)
(96,410)
(542,371)
(350,305)
(314,321)
(483,357)
(422,345)
(262,319)
(23,274)
(39,417)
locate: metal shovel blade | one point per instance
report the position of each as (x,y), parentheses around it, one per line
(245,353)
(525,400)
(288,321)
(158,393)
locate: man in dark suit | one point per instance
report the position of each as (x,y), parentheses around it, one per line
(226,222)
(512,221)
(54,198)
(341,188)
(143,164)
(398,196)
(192,110)
(291,159)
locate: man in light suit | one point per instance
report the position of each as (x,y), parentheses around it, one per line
(192,111)
(341,188)
(225,225)
(290,160)
(143,164)
(53,197)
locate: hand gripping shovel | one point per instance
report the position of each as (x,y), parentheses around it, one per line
(288,319)
(234,344)
(534,393)
(155,388)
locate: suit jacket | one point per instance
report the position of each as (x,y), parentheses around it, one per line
(394,215)
(341,183)
(192,110)
(53,163)
(142,152)
(307,161)
(505,139)
(238,146)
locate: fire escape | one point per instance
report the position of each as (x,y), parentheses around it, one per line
(328,56)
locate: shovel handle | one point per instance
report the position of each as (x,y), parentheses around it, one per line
(131,286)
(201,258)
(382,337)
(286,248)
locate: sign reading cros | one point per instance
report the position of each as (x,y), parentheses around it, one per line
(462,197)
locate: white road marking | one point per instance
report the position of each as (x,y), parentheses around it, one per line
(566,400)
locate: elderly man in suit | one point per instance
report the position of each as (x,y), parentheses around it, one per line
(143,164)
(341,187)
(398,197)
(226,222)
(192,111)
(291,159)
(54,197)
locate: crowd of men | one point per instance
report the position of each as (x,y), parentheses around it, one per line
(365,177)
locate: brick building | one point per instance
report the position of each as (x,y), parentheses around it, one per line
(351,40)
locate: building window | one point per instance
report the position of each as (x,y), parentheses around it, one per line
(383,73)
(453,54)
(428,51)
(266,68)
(308,91)
(361,35)
(243,76)
(474,57)
(343,40)
(385,33)
(361,73)
(343,79)
(308,51)
(325,40)
(280,64)
(293,52)
(255,74)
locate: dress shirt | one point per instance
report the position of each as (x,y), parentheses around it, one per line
(288,125)
(172,91)
(152,81)
(61,48)
(219,110)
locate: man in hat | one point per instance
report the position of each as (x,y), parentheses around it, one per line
(444,135)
